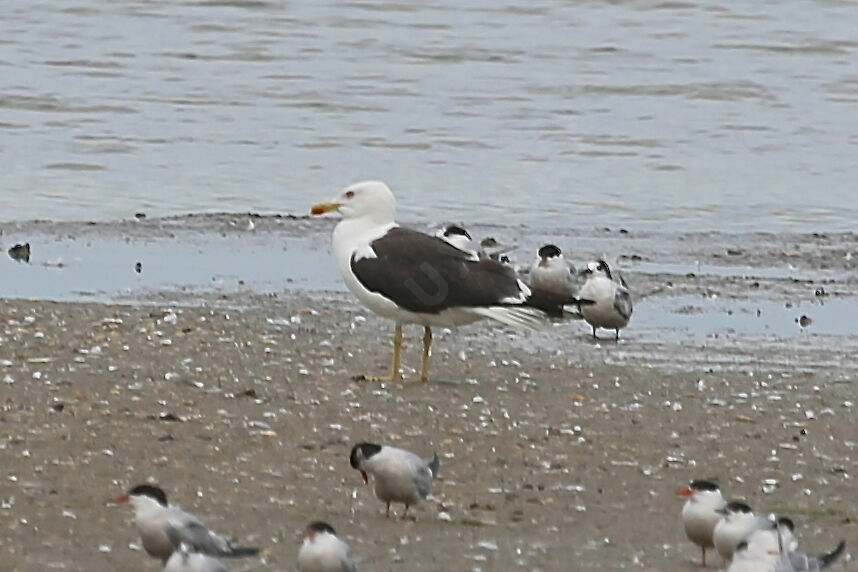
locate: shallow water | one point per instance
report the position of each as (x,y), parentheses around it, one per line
(671,115)
(104,269)
(193,260)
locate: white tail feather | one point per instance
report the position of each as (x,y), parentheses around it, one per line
(516,316)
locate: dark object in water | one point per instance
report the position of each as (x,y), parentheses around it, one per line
(20,252)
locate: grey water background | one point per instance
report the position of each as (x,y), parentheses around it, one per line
(684,115)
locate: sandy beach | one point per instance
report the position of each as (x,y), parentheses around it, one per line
(557,452)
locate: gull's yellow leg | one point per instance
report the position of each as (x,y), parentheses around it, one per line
(397,353)
(394,366)
(427,343)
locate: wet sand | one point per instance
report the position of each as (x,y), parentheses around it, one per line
(557,452)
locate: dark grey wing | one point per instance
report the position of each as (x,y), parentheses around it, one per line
(424,473)
(197,537)
(349,564)
(423,480)
(623,303)
(826,560)
(425,274)
(797,562)
(183,527)
(800,562)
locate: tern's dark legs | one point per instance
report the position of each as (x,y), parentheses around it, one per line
(387,510)
(594,333)
(427,343)
(703,558)
(617,332)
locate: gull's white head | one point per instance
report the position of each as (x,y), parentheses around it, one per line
(367,199)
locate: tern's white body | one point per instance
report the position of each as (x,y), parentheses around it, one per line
(753,558)
(184,561)
(732,529)
(553,275)
(606,312)
(325,552)
(153,520)
(699,516)
(399,475)
(771,540)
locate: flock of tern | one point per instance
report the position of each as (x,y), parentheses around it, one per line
(183,543)
(745,540)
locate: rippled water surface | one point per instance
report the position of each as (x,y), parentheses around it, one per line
(736,116)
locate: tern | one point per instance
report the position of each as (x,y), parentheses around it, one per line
(399,475)
(737,522)
(700,513)
(323,551)
(458,236)
(552,282)
(612,302)
(164,527)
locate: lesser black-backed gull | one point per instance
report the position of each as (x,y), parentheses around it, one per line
(414,278)
(612,307)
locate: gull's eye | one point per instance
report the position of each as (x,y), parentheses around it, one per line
(350,194)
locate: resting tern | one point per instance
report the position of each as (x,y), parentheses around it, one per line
(323,551)
(737,522)
(163,527)
(458,236)
(552,282)
(700,513)
(612,302)
(399,475)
